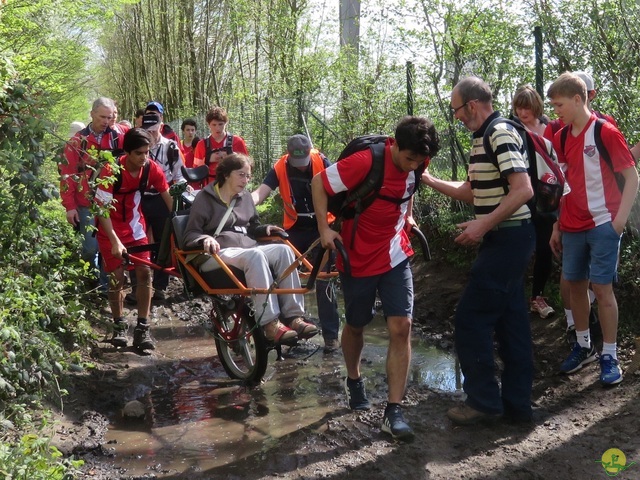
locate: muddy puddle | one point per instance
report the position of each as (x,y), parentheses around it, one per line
(198,419)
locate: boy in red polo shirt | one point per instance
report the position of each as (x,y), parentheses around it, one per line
(125,227)
(592,218)
(219,144)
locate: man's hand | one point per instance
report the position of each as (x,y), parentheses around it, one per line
(118,249)
(72,217)
(410,222)
(618,225)
(472,234)
(555,242)
(210,245)
(327,236)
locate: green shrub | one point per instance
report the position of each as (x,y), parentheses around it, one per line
(33,458)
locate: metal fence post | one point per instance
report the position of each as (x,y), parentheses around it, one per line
(410,75)
(267,129)
(537,34)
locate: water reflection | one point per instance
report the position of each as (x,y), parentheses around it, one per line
(199,419)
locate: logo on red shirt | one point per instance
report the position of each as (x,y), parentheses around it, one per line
(590,150)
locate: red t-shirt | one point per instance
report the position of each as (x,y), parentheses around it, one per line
(380,241)
(237,146)
(127,219)
(595,197)
(189,152)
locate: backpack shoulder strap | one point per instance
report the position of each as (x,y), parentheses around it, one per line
(486,138)
(173,154)
(208,150)
(597,136)
(563,137)
(144,178)
(228,143)
(118,183)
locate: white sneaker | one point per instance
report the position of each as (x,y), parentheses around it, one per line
(539,305)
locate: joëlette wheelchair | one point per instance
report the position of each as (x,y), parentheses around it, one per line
(242,347)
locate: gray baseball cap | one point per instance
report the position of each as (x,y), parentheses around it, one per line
(299,149)
(587,79)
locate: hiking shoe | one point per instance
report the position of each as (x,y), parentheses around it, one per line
(119,338)
(393,423)
(578,358)
(571,336)
(159,295)
(356,394)
(610,373)
(279,333)
(142,338)
(466,415)
(331,345)
(539,305)
(302,328)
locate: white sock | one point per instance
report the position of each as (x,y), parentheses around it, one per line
(610,349)
(569,315)
(584,339)
(592,296)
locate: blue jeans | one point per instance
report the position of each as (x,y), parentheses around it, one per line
(494,302)
(90,251)
(325,293)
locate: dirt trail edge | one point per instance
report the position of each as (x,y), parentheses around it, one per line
(576,419)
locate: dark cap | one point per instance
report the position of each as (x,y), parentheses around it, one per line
(299,148)
(156,106)
(151,121)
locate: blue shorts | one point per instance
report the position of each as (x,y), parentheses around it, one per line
(591,255)
(395,289)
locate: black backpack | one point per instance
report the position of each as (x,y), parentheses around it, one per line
(547,179)
(227,147)
(350,204)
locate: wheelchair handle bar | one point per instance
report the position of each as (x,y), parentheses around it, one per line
(426,252)
(318,260)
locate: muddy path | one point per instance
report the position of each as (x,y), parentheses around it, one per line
(296,425)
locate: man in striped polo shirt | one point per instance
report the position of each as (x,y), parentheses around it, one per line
(493,302)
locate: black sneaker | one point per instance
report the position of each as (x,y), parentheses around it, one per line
(356,394)
(394,424)
(119,338)
(160,295)
(142,338)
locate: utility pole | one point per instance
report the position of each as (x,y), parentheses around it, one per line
(350,26)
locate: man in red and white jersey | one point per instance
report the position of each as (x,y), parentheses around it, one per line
(76,170)
(379,257)
(125,227)
(592,218)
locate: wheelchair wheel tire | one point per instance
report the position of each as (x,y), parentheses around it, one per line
(245,356)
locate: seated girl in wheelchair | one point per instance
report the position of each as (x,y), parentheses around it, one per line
(223,220)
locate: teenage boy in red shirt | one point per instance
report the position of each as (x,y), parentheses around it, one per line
(125,227)
(592,218)
(219,144)
(379,258)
